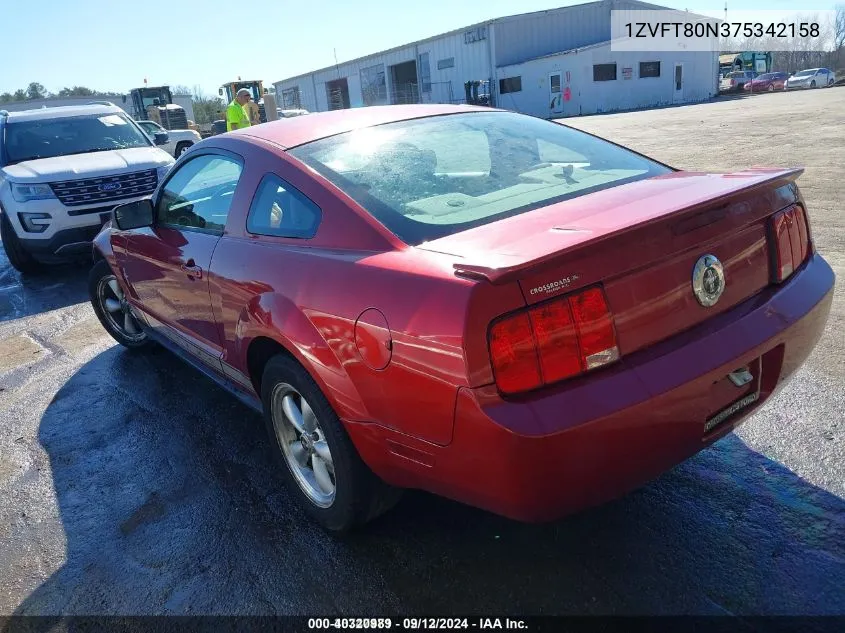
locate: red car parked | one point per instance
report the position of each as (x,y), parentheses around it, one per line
(767,83)
(489,306)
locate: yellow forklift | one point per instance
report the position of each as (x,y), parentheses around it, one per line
(255,108)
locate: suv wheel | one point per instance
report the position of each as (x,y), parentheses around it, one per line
(112,308)
(181,148)
(18,257)
(323,470)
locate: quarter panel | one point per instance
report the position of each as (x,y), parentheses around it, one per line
(309,299)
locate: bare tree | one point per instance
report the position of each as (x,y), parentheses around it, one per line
(206,109)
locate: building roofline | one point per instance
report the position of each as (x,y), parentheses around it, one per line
(507,18)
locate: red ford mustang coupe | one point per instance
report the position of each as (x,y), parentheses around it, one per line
(492,307)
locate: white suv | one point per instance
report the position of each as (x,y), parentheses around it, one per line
(62,171)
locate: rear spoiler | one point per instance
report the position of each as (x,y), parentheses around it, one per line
(500,269)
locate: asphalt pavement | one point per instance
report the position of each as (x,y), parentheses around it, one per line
(130,484)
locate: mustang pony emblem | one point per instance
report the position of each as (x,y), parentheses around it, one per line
(708,280)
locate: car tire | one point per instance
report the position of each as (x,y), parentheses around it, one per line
(830,83)
(112,309)
(812,84)
(181,148)
(353,495)
(771,88)
(20,260)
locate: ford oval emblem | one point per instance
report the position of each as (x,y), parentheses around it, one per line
(708,280)
(110,186)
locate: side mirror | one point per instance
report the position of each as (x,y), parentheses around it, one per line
(133,215)
(161,138)
(124,98)
(220,91)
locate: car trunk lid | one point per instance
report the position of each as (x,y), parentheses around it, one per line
(641,241)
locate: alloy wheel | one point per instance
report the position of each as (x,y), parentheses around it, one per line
(116,309)
(303,444)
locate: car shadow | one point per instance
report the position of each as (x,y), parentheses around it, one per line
(171,503)
(52,288)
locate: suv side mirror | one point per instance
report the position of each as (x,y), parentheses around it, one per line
(134,215)
(161,138)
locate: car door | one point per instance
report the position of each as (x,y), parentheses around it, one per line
(167,264)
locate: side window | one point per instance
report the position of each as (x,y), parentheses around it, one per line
(280,209)
(199,193)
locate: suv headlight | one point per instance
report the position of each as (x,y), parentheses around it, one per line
(25,193)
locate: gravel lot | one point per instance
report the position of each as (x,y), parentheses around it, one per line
(130,484)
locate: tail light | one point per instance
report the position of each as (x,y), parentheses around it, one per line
(552,341)
(791,241)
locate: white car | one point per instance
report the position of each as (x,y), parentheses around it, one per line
(62,171)
(811,78)
(286,114)
(178,140)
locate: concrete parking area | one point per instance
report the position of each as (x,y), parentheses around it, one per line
(130,484)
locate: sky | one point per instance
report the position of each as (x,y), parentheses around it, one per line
(115,44)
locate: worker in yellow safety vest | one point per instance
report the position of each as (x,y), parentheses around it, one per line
(236,116)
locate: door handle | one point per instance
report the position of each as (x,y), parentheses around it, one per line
(192,270)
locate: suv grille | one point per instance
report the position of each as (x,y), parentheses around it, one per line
(174,119)
(74,193)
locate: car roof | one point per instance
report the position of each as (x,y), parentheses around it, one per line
(62,111)
(311,127)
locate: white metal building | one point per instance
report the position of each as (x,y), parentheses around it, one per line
(551,63)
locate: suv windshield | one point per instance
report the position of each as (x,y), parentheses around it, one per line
(428,178)
(46,138)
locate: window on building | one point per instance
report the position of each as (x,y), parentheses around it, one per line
(510,84)
(555,80)
(425,72)
(449,62)
(291,99)
(604,72)
(373,85)
(649,69)
(279,209)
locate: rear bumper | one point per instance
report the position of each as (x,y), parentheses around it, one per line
(598,437)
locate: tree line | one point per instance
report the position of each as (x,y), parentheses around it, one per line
(37,90)
(206,108)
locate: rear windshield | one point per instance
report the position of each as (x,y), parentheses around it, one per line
(428,178)
(47,138)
